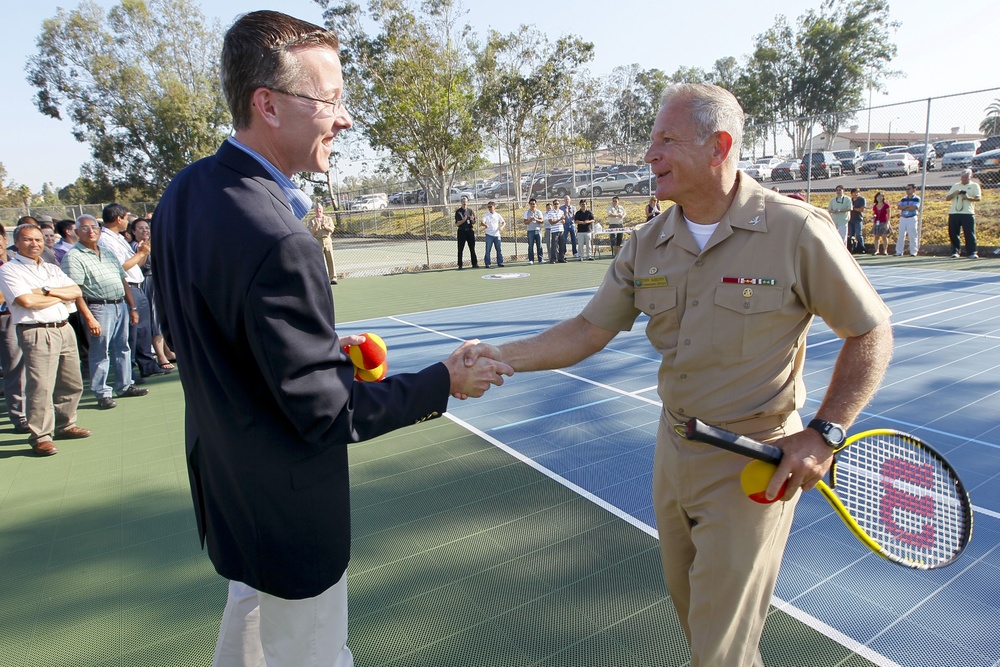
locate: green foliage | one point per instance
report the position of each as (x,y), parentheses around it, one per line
(528,89)
(410,85)
(818,71)
(991,124)
(139,84)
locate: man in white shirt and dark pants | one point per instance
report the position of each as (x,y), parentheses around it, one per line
(37,293)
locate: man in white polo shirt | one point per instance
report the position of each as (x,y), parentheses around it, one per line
(37,293)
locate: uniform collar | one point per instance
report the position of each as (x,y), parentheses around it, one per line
(746,213)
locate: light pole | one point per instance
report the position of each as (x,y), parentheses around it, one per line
(888,139)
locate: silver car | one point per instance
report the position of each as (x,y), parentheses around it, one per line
(959,155)
(610,184)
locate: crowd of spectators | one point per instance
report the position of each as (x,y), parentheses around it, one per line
(75,302)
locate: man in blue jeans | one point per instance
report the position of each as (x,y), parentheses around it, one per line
(107,309)
(533,219)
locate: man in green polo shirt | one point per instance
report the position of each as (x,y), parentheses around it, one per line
(103,308)
(962,214)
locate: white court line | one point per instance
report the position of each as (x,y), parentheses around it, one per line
(637,395)
(803,617)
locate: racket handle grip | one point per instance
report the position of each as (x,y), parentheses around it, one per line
(695,429)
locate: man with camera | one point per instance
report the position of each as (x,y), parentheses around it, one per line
(962,214)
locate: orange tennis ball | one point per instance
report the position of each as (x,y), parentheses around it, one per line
(370,354)
(754,479)
(374,375)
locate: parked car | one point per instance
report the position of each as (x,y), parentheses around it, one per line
(415,197)
(850,161)
(959,154)
(941,146)
(456,194)
(989,144)
(987,166)
(870,159)
(760,170)
(786,171)
(897,163)
(821,164)
(923,152)
(624,183)
(372,202)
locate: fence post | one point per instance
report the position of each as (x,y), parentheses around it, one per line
(427,239)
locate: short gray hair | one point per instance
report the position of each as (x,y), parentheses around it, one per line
(966,172)
(713,109)
(86,216)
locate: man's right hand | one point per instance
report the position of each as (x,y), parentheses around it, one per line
(474,377)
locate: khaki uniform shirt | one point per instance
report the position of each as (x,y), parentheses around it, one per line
(731,320)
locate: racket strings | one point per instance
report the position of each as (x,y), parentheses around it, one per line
(904,497)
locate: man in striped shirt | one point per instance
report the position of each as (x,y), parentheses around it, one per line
(106,293)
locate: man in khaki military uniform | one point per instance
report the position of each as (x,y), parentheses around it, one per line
(730,278)
(322,229)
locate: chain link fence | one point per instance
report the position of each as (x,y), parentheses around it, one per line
(942,136)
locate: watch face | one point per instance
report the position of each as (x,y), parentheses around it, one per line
(836,435)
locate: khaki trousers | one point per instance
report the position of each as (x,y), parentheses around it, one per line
(52,381)
(720,550)
(331,268)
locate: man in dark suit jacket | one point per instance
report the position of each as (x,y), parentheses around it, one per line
(271,401)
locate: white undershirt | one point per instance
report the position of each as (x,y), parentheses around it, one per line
(700,232)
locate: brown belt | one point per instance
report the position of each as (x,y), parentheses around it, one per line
(43,325)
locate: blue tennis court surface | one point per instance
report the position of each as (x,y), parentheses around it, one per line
(593,427)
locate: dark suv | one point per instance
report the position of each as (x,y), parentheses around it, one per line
(850,161)
(824,165)
(989,144)
(923,152)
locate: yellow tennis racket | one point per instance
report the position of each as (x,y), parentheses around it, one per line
(898,496)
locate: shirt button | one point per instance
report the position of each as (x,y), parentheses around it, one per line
(698,263)
(687,341)
(695,302)
(746,305)
(684,376)
(681,411)
(652,306)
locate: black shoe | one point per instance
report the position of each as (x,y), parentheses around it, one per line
(22,429)
(500,265)
(131,391)
(333,281)
(106,403)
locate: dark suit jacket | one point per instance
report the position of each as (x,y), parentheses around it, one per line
(270,398)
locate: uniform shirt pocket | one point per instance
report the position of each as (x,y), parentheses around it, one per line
(745,318)
(660,304)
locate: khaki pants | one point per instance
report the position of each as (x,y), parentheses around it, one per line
(260,629)
(720,550)
(331,268)
(52,381)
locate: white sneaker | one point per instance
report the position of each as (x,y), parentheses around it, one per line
(955,256)
(530,262)
(974,255)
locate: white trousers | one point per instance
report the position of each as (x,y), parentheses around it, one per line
(258,629)
(908,226)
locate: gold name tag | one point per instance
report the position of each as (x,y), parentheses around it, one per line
(652,281)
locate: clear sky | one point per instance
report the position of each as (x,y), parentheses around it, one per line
(941,53)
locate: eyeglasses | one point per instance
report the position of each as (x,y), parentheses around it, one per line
(335,105)
(88,228)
